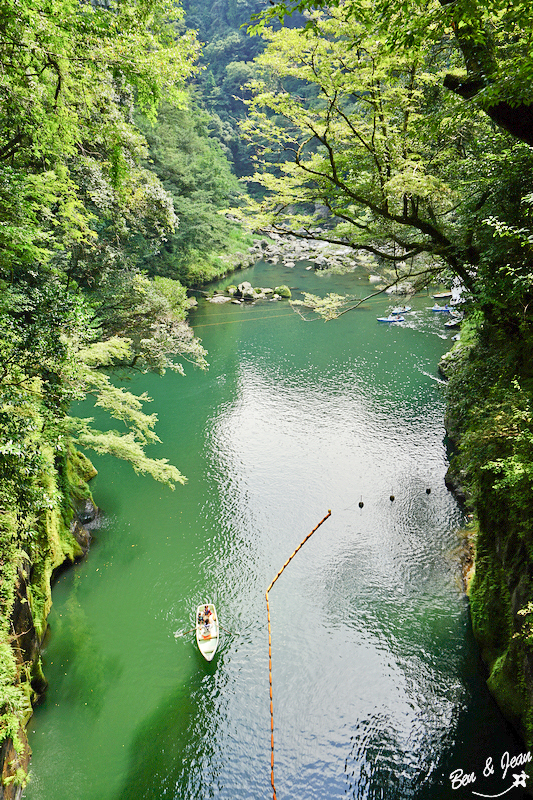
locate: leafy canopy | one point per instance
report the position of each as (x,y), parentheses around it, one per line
(493,38)
(342,124)
(75,197)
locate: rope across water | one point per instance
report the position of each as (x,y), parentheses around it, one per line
(270,651)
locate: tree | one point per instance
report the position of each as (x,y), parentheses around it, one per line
(196,174)
(393,157)
(493,36)
(74,194)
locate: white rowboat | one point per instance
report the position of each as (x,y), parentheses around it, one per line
(401,310)
(207,630)
(454,321)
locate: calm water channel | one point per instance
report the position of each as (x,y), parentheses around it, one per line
(378,691)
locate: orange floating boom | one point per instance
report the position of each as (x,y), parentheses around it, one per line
(270,650)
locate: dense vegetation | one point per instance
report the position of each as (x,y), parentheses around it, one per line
(194,170)
(227,65)
(402,128)
(103,206)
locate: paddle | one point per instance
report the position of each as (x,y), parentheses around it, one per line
(231,632)
(183,633)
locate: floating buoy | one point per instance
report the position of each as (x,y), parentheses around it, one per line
(428,491)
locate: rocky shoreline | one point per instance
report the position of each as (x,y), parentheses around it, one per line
(28,633)
(290,248)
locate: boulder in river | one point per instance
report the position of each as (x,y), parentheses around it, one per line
(246,291)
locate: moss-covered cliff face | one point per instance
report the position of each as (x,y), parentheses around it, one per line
(490,419)
(26,574)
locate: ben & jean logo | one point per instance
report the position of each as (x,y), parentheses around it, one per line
(460,779)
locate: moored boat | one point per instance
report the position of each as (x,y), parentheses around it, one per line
(401,310)
(442,295)
(207,631)
(454,321)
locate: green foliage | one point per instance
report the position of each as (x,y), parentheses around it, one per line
(492,37)
(175,294)
(328,307)
(68,85)
(490,418)
(491,410)
(526,633)
(75,200)
(174,337)
(19,778)
(196,174)
(127,447)
(226,61)
(377,143)
(349,114)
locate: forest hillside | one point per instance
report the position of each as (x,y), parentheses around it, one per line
(402,130)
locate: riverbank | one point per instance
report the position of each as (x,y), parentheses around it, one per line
(288,250)
(489,419)
(61,535)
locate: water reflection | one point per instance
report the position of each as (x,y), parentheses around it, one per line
(377,687)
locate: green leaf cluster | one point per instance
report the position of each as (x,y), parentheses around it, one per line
(196,174)
(79,209)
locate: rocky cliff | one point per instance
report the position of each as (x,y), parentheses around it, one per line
(63,536)
(490,420)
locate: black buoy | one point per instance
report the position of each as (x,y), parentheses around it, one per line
(428,491)
(361,504)
(392,498)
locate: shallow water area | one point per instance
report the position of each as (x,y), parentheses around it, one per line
(378,690)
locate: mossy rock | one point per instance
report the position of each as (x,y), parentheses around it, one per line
(283,291)
(506,682)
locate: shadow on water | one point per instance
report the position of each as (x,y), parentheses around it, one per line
(90,672)
(170,755)
(474,743)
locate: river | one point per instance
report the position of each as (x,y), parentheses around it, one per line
(378,688)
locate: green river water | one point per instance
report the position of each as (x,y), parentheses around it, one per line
(378,689)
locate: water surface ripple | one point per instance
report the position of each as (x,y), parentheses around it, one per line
(378,691)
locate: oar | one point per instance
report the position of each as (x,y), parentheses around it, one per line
(183,633)
(232,632)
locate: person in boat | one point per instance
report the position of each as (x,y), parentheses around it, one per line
(206,616)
